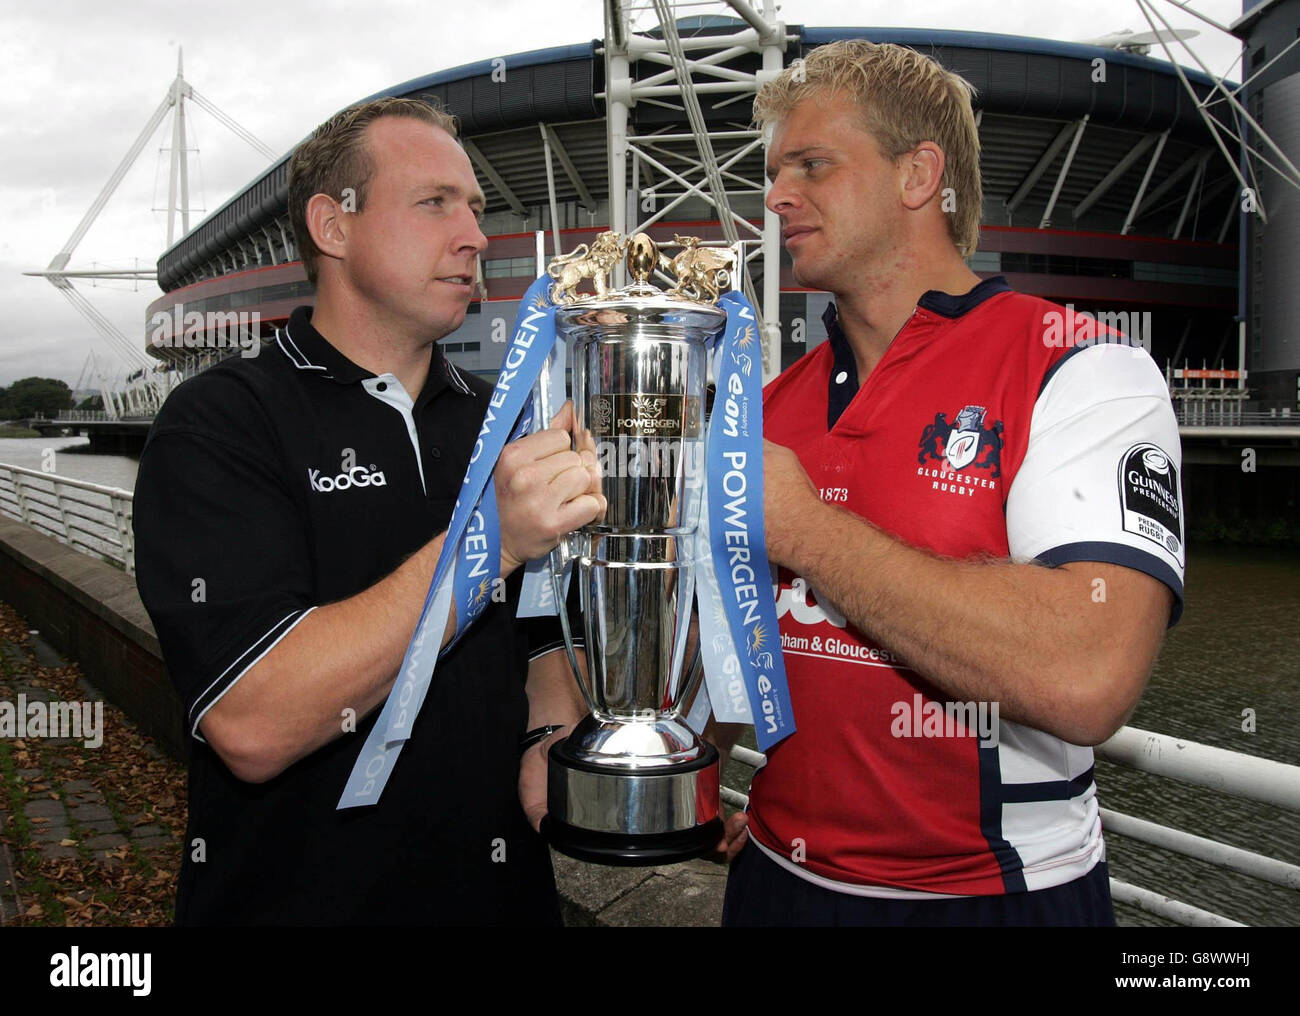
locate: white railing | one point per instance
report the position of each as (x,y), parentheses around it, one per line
(95,520)
(1231,772)
(81,416)
(94,416)
(1204,414)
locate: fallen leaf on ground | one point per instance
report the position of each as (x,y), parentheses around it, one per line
(128,773)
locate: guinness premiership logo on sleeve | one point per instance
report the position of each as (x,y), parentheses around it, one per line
(1150,498)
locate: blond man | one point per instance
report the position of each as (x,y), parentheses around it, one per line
(979,534)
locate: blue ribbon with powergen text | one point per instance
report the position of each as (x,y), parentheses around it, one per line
(472,542)
(538,591)
(743,635)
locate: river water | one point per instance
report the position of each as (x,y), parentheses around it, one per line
(1236,648)
(1233,657)
(70,459)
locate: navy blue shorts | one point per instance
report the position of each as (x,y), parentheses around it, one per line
(762,894)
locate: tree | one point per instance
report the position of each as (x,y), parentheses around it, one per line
(33,396)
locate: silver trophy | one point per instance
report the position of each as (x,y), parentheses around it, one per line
(633,784)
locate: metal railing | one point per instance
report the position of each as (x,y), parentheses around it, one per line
(94,519)
(1230,772)
(1201,414)
(91,416)
(79,416)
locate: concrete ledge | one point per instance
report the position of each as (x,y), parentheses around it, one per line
(90,612)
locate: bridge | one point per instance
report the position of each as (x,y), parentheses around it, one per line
(118,435)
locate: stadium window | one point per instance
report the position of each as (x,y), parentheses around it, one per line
(1053,264)
(1191,275)
(507,268)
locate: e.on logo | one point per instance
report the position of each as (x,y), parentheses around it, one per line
(357,476)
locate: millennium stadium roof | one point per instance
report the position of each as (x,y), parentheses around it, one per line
(1031,97)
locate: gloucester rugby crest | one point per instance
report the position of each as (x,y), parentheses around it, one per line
(963,442)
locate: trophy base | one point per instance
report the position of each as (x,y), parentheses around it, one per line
(616,814)
(631,851)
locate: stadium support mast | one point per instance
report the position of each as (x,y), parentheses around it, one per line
(1221,93)
(57,271)
(1256,147)
(180,168)
(677,73)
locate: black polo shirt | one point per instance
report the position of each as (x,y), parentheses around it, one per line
(272,485)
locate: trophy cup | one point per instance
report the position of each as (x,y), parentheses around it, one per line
(632,784)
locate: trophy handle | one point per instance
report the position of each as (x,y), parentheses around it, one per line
(559,557)
(691,686)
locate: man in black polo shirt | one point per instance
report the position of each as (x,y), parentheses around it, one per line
(288,514)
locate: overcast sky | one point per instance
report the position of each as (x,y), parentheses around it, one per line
(79,80)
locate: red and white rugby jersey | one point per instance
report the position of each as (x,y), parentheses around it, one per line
(983,430)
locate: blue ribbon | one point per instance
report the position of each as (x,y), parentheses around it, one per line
(537,593)
(735,514)
(472,543)
(727,694)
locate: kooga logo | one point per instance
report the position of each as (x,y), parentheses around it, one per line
(357,476)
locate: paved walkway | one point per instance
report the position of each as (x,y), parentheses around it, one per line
(88,835)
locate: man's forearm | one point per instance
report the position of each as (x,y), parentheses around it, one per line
(553,695)
(342,656)
(1036,640)
(553,699)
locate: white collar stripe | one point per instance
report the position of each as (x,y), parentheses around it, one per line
(300,361)
(455,376)
(279,341)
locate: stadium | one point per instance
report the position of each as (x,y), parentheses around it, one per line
(1104,189)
